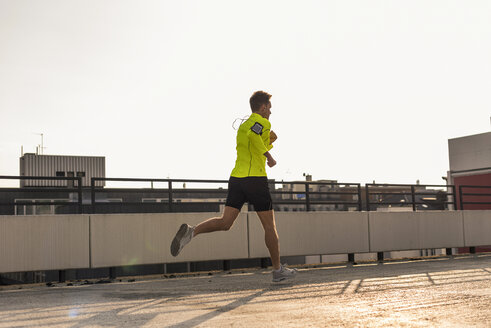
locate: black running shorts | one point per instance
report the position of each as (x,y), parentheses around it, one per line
(254,190)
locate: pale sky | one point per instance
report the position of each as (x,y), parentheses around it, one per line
(362,90)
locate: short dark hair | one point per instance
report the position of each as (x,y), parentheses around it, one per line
(257,99)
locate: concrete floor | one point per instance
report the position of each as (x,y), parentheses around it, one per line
(448,292)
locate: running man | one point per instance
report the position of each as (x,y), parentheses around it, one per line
(248,183)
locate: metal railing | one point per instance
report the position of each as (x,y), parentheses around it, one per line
(42,189)
(404,195)
(169,193)
(321,197)
(287,195)
(474,195)
(308,197)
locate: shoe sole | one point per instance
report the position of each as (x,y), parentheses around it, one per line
(278,280)
(174,247)
(283,278)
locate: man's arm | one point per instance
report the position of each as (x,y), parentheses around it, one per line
(254,135)
(271,161)
(257,142)
(272,137)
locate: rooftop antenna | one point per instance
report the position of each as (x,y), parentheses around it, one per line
(41,146)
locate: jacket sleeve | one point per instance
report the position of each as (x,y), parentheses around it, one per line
(267,141)
(257,142)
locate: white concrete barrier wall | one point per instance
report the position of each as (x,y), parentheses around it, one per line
(131,239)
(31,243)
(477,228)
(398,231)
(312,233)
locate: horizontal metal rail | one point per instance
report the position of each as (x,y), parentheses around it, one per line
(39,203)
(157,191)
(23,177)
(40,190)
(77,189)
(313,192)
(171,192)
(373,189)
(310,193)
(157,180)
(463,194)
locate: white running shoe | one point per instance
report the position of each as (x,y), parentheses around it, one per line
(183,236)
(283,273)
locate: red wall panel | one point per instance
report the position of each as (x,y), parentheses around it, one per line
(484,193)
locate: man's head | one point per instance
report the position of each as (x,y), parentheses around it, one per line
(260,103)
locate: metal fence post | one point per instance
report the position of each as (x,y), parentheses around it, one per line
(307,197)
(461,200)
(360,204)
(170,196)
(380,256)
(112,272)
(454,194)
(265,262)
(61,276)
(413,199)
(80,208)
(92,195)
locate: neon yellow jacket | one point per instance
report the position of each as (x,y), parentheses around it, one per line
(252,142)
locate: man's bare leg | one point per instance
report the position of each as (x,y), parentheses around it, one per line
(186,232)
(271,236)
(221,223)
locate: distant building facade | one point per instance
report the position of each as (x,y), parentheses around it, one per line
(470,164)
(85,167)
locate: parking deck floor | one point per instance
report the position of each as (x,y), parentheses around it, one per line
(436,292)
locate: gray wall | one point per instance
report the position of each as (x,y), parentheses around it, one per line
(470,152)
(30,243)
(309,233)
(125,239)
(477,228)
(399,231)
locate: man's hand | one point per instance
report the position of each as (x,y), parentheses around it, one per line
(271,161)
(272,137)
